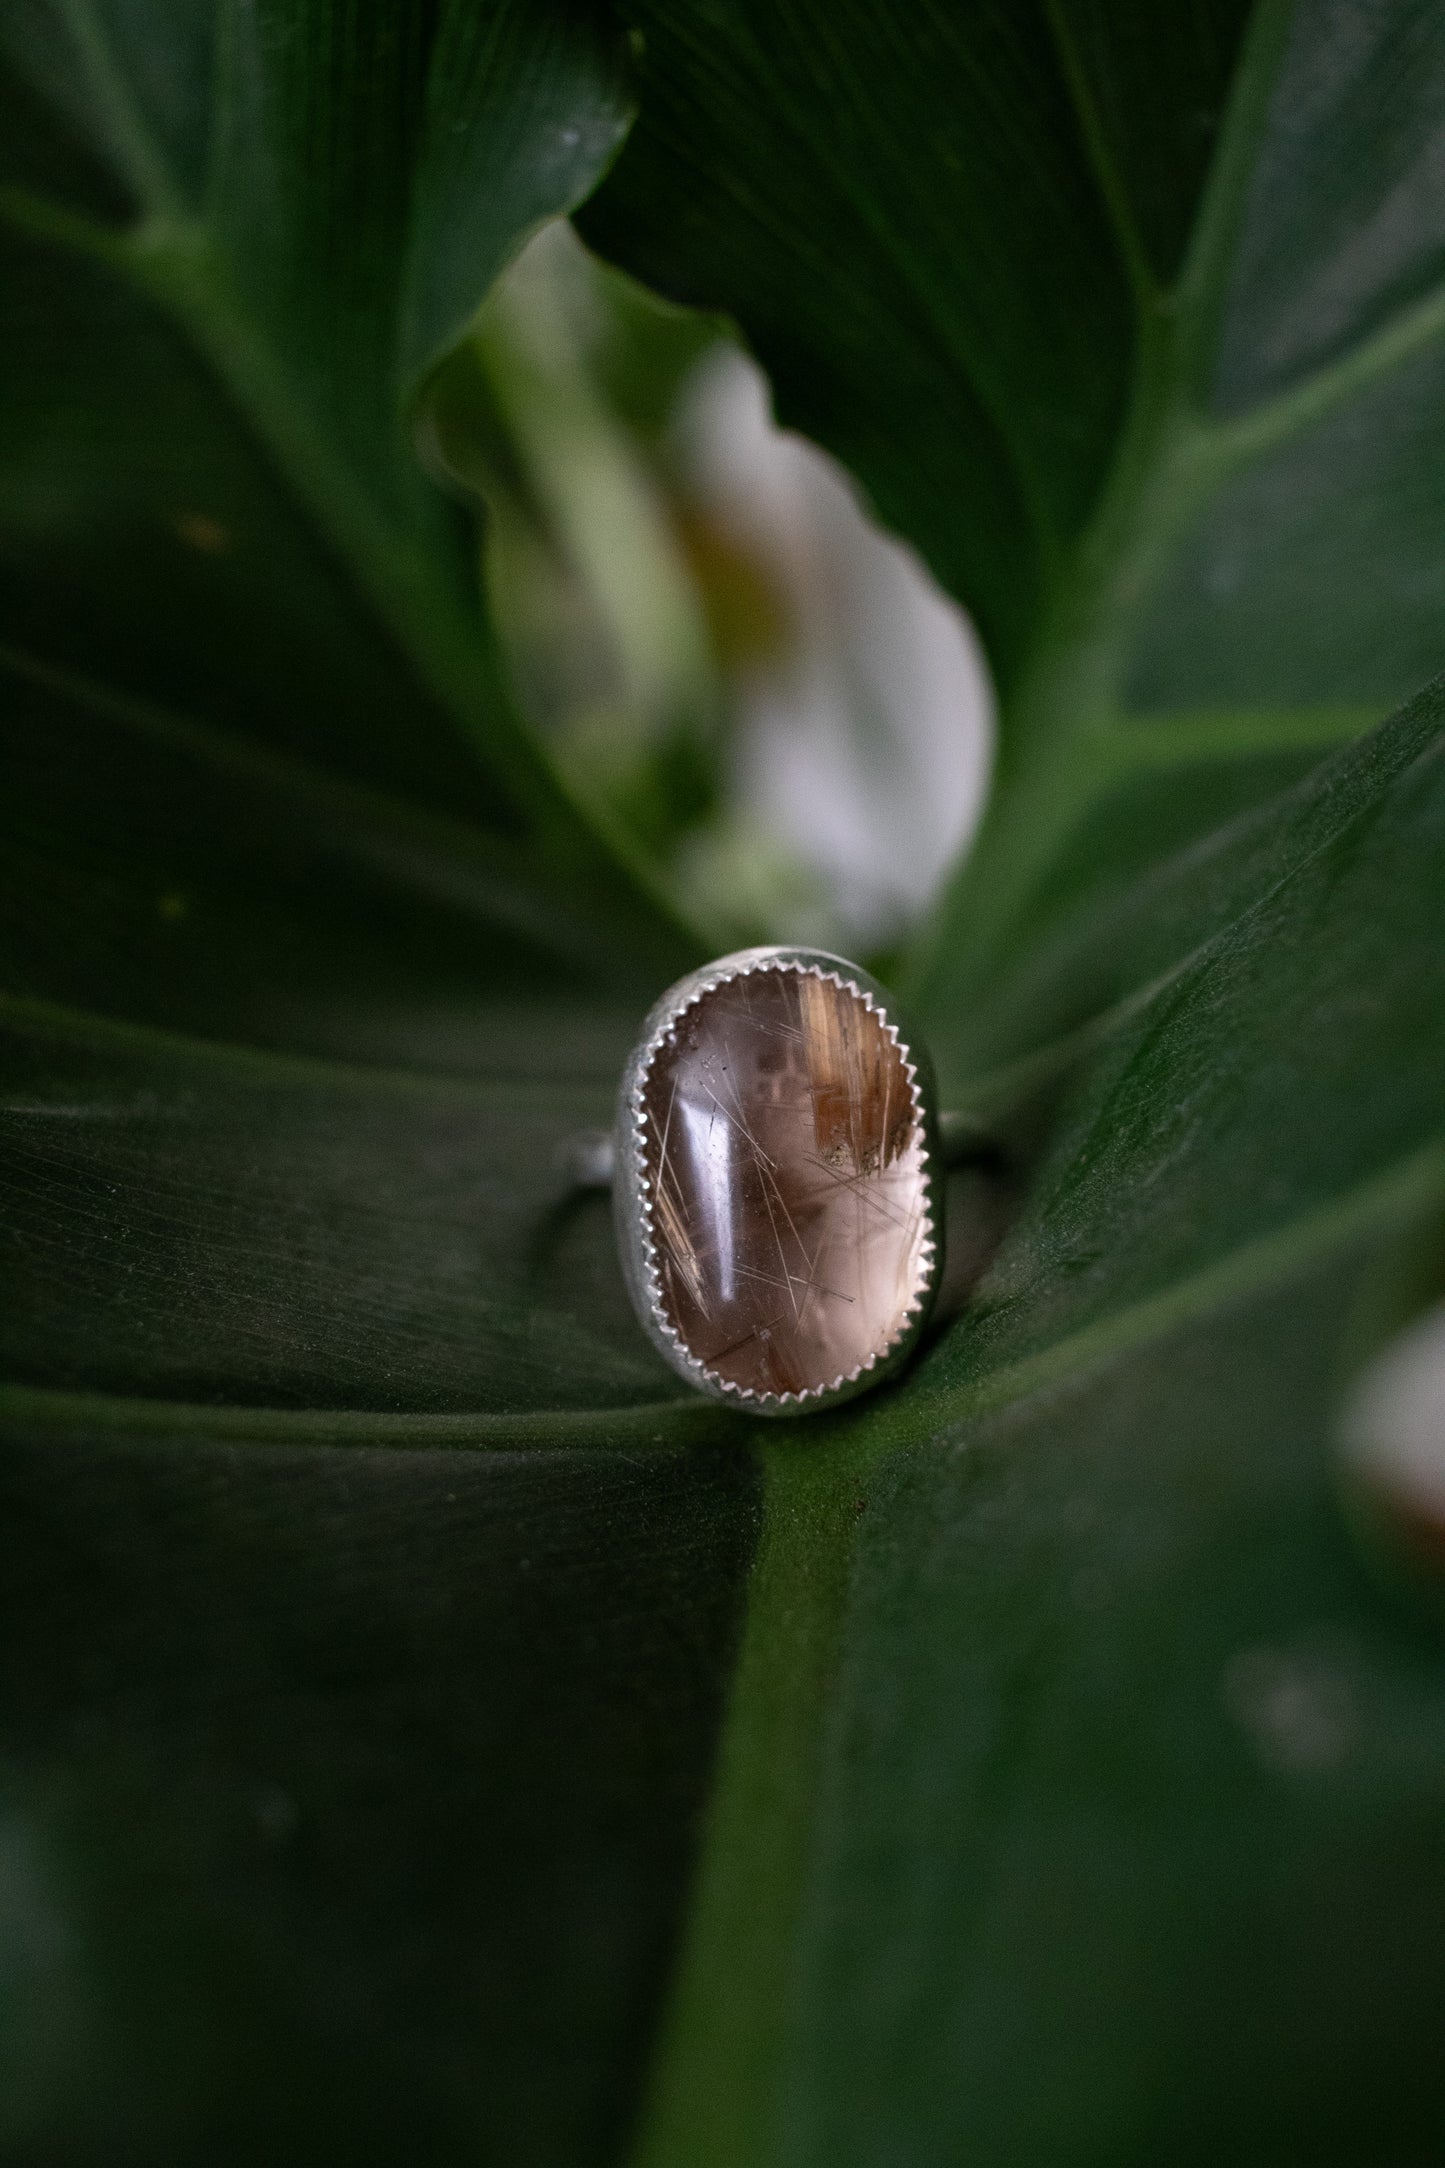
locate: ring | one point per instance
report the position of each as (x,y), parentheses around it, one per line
(776,1166)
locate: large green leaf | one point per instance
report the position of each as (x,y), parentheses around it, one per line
(348,1780)
(902,215)
(236,242)
(345,1796)
(1079,1795)
(1218,547)
(369,1589)
(1091,1791)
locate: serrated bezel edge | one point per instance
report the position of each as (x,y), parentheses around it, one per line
(635,1201)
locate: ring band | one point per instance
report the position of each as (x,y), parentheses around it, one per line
(776,1171)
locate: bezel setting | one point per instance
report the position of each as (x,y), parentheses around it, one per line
(633,1202)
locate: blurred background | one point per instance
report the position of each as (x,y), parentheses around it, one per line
(760,691)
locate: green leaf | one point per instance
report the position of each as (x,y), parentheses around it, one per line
(369,1591)
(902,218)
(366,1605)
(1078,1786)
(1078,1792)
(236,240)
(1209,549)
(344,1796)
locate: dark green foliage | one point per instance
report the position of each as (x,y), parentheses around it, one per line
(347,1794)
(368,1592)
(348,1781)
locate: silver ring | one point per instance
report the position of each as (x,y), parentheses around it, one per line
(776,1168)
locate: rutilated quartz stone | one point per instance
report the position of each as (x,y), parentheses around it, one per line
(785,1173)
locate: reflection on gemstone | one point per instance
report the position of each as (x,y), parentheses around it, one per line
(785,1172)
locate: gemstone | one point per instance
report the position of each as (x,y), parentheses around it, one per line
(785,1174)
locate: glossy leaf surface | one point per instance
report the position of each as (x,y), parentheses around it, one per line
(1085,1642)
(1249,570)
(1086,1779)
(348,1779)
(370,1592)
(345,1792)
